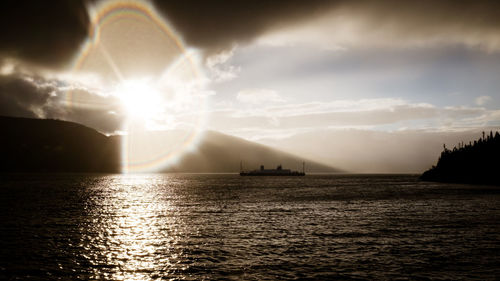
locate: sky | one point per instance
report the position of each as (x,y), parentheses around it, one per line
(365,86)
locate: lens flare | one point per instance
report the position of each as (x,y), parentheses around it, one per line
(143,64)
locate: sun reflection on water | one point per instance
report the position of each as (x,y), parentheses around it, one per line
(225,227)
(134,229)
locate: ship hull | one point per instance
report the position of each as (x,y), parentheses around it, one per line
(256,174)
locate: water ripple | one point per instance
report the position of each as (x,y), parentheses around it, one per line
(196,227)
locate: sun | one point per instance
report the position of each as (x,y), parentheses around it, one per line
(149,81)
(140,98)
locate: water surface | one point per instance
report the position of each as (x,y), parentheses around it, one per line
(195,227)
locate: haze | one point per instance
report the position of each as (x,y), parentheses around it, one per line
(363,86)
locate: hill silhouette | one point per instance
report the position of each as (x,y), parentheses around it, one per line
(43,145)
(476,162)
(219,152)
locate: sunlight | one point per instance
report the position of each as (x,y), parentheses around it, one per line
(134,212)
(151,82)
(140,99)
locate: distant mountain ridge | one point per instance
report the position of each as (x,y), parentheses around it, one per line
(218,152)
(43,145)
(477,162)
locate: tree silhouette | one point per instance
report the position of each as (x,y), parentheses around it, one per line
(476,162)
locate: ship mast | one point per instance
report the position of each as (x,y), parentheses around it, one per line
(303,167)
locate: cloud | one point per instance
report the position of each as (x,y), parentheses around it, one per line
(382,114)
(220,70)
(19,97)
(215,26)
(50,33)
(219,25)
(259,96)
(481,100)
(358,24)
(38,97)
(41,32)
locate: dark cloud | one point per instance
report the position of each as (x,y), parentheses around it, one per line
(20,98)
(50,32)
(42,32)
(437,20)
(36,97)
(217,25)
(427,13)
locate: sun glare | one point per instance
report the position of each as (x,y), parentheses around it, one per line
(140,98)
(153,81)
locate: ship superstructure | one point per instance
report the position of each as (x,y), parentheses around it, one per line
(279,171)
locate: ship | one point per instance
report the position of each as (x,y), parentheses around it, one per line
(279,171)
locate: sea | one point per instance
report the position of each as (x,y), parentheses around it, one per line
(227,227)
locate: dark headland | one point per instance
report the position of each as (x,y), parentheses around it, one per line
(43,145)
(477,162)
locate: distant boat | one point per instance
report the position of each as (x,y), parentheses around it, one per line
(279,171)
